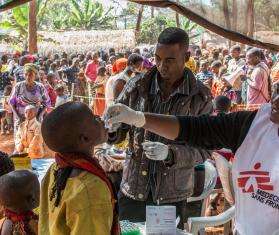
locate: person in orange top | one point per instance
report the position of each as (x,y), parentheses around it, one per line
(119,65)
(99,101)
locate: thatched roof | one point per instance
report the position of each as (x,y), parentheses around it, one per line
(83,41)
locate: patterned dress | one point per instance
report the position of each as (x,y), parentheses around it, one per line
(21,97)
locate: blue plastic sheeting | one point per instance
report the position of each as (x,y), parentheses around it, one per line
(40,166)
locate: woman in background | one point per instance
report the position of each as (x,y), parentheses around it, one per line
(99,102)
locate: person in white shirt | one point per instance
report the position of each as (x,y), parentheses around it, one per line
(61,98)
(258,80)
(252,135)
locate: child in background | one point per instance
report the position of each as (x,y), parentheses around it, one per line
(205,76)
(81,88)
(7,120)
(19,196)
(50,83)
(61,98)
(99,103)
(29,138)
(221,105)
(76,195)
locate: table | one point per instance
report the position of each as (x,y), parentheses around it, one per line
(143,231)
(40,166)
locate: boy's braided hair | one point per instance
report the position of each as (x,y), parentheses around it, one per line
(6,164)
(61,176)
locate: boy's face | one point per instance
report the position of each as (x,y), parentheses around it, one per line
(93,134)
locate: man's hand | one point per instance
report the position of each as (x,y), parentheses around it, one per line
(120,113)
(156,151)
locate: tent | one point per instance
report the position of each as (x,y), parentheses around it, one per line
(201,12)
(204,15)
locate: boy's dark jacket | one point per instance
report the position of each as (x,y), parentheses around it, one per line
(173,183)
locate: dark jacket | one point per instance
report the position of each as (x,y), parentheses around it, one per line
(173,182)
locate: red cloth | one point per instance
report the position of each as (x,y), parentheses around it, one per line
(119,65)
(52,94)
(91,70)
(22,219)
(89,164)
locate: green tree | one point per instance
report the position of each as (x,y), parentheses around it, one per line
(152,27)
(86,14)
(16,22)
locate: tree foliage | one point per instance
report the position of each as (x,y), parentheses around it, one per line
(152,27)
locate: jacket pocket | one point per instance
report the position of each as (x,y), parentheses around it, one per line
(184,179)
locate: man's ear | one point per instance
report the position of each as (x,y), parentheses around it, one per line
(187,56)
(83,139)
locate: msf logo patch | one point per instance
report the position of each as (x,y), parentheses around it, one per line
(250,181)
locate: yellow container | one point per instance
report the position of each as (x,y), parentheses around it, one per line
(22,162)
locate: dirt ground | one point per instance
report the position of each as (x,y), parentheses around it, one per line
(7,143)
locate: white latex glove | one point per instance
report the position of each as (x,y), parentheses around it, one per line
(120,113)
(155,150)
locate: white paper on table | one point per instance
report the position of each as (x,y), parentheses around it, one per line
(231,78)
(160,220)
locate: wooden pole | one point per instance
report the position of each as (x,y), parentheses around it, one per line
(32,28)
(250,23)
(177,17)
(139,19)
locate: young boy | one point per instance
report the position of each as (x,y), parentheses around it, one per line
(205,76)
(29,137)
(19,195)
(61,98)
(221,104)
(76,195)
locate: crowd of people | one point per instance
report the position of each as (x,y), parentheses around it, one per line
(53,105)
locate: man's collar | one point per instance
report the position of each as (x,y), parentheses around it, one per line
(183,89)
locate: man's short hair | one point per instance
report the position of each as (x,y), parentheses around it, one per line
(174,35)
(255,52)
(236,48)
(216,63)
(134,58)
(222,104)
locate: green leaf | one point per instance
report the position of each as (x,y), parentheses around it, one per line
(20,14)
(6,25)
